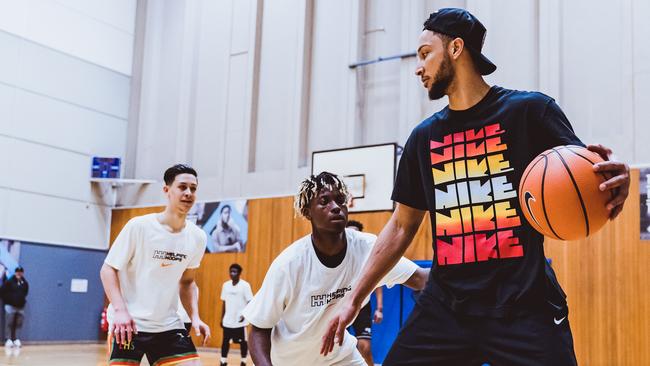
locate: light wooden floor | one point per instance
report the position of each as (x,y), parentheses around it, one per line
(84,355)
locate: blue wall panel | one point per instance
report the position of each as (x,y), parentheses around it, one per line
(398,304)
(53,313)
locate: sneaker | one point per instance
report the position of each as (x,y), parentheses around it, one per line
(17,343)
(223,364)
(9,343)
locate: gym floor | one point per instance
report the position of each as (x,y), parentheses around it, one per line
(84,355)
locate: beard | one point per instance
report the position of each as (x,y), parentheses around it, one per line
(443,78)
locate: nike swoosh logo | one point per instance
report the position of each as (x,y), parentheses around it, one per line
(527,198)
(557,322)
(165,264)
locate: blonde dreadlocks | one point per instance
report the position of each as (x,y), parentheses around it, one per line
(309,188)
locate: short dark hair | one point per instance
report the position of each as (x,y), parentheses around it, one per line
(224,207)
(19,269)
(172,172)
(356,224)
(236,266)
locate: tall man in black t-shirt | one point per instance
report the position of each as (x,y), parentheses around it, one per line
(491,295)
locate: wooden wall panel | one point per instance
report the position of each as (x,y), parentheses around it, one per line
(301,227)
(608,294)
(604,276)
(374,222)
(421,246)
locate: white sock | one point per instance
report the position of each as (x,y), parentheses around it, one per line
(224,360)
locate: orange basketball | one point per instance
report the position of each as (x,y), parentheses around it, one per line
(559,193)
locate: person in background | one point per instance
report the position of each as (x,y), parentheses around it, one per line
(153,262)
(235,294)
(14,295)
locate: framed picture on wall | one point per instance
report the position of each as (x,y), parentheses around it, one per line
(9,256)
(225,223)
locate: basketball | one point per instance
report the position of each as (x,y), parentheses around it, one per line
(560,196)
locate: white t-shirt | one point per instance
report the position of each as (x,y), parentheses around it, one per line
(300,295)
(150,261)
(236,298)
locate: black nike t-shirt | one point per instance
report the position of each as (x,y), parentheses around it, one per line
(464,168)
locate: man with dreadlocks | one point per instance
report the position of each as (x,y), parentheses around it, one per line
(306,282)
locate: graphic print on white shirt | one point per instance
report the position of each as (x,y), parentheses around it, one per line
(300,295)
(150,261)
(325,299)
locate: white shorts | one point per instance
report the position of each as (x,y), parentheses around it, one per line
(353,359)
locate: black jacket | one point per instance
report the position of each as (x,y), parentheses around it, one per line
(14,293)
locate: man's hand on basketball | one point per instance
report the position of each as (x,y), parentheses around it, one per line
(201,329)
(123,327)
(619,181)
(336,327)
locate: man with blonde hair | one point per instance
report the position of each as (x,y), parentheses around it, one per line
(307,281)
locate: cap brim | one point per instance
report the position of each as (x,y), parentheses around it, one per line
(484,65)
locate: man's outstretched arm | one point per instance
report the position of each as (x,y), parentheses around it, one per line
(123,326)
(189,294)
(260,343)
(391,244)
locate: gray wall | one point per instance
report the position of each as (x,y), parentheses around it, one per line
(65,75)
(245,90)
(53,313)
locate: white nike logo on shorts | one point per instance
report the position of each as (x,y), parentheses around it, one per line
(557,322)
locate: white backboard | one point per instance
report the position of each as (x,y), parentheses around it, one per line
(368,171)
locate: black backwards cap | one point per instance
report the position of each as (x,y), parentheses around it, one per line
(461,23)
